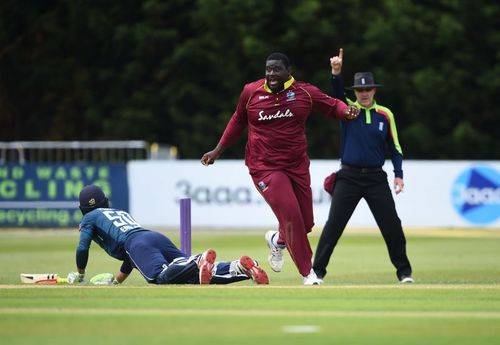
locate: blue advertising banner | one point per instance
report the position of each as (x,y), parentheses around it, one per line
(476,194)
(46,195)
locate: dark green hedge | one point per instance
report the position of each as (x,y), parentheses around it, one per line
(171,71)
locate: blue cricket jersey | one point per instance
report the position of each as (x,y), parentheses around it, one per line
(109,228)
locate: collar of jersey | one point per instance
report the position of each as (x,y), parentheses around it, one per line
(368,115)
(288,83)
(358,105)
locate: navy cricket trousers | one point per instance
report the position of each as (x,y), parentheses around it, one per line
(150,252)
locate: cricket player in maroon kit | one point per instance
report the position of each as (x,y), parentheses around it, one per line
(275,111)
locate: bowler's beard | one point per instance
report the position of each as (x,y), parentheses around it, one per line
(279,87)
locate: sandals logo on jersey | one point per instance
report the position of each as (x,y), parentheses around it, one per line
(278,115)
(476,195)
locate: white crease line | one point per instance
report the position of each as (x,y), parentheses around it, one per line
(273,313)
(415,286)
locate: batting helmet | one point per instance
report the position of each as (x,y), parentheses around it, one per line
(92,197)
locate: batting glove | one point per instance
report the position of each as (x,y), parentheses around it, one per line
(76,278)
(103,279)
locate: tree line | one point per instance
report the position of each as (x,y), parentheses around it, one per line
(170,71)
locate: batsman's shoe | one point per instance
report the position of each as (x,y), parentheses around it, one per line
(312,279)
(275,258)
(406,280)
(206,265)
(76,278)
(250,267)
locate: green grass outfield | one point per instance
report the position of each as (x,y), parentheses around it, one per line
(455,300)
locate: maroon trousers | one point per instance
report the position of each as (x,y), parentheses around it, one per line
(290,197)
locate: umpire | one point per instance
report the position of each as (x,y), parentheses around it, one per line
(363,147)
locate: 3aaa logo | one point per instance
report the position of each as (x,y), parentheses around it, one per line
(476,195)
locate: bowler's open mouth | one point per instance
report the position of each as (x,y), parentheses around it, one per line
(272,82)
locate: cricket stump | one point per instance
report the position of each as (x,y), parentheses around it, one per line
(186,225)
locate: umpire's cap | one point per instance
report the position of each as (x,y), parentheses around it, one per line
(363,80)
(92,197)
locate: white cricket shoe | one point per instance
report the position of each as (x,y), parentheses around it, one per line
(312,279)
(275,259)
(407,280)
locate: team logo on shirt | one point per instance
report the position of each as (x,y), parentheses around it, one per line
(278,115)
(263,97)
(290,96)
(263,186)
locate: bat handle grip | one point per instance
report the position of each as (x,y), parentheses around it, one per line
(61,280)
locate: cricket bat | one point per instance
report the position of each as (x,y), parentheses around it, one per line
(42,278)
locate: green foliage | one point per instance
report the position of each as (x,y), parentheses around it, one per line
(171,71)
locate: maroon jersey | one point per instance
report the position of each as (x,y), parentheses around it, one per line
(276,123)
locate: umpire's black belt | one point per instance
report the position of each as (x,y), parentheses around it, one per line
(360,169)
